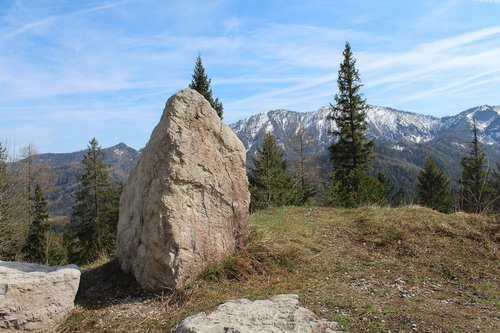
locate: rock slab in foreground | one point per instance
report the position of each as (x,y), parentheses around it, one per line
(279,314)
(36,297)
(185,205)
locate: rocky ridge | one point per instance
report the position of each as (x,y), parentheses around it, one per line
(386,125)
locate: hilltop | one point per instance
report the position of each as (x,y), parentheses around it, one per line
(371,269)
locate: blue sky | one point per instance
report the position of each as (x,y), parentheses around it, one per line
(71,70)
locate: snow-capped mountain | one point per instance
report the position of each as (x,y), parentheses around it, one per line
(404,140)
(487,122)
(389,127)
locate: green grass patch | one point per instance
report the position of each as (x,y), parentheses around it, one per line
(371,269)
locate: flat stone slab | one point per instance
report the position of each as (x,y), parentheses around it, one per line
(36,297)
(279,314)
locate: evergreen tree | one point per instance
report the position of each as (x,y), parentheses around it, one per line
(201,83)
(352,151)
(299,191)
(270,184)
(36,248)
(95,211)
(476,193)
(433,188)
(387,188)
(496,185)
(399,198)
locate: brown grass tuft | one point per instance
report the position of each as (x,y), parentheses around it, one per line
(371,269)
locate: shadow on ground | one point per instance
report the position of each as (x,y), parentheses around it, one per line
(107,285)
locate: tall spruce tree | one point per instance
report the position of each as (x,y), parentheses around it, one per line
(201,83)
(476,194)
(352,151)
(270,184)
(36,248)
(433,188)
(95,212)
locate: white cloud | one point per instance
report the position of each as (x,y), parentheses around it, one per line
(232,24)
(100,63)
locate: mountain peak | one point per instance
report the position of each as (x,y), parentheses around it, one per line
(386,125)
(482,109)
(121,145)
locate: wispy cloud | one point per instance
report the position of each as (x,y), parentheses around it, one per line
(112,64)
(440,68)
(19,26)
(431,16)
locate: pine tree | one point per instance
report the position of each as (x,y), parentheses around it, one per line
(387,187)
(399,198)
(270,184)
(476,193)
(352,151)
(433,188)
(36,248)
(201,83)
(495,183)
(95,212)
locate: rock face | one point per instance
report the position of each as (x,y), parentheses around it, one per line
(36,297)
(185,204)
(281,313)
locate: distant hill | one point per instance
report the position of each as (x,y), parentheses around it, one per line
(66,169)
(404,141)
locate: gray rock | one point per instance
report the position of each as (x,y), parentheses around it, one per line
(279,314)
(36,297)
(185,205)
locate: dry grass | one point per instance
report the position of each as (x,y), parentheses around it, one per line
(372,270)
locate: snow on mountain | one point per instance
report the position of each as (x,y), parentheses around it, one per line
(487,122)
(404,140)
(394,128)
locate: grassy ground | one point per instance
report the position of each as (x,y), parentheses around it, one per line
(372,270)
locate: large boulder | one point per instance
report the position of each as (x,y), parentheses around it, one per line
(36,297)
(278,314)
(185,205)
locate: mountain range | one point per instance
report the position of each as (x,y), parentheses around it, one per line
(403,141)
(395,129)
